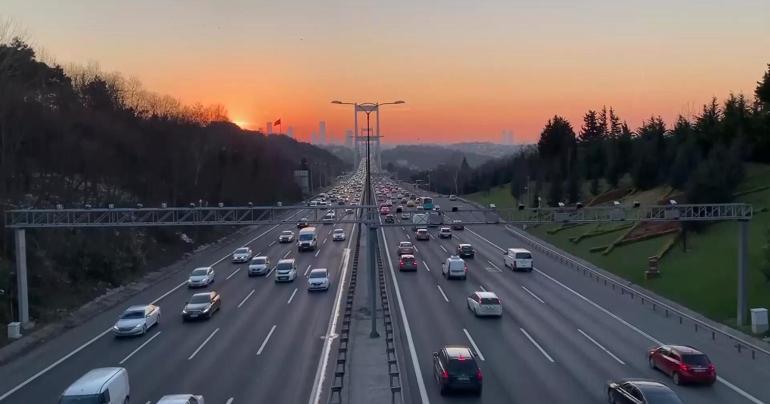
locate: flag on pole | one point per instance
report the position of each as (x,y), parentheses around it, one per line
(277,123)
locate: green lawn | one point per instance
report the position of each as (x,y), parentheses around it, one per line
(500,196)
(704,277)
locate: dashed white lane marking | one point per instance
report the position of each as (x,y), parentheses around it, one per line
(233,274)
(206,341)
(532,294)
(442,293)
(475,347)
(532,340)
(262,347)
(246,298)
(139,347)
(601,347)
(292,296)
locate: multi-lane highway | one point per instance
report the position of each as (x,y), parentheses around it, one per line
(263,345)
(562,336)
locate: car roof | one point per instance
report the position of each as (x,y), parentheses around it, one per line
(446,228)
(683,349)
(465,245)
(137,307)
(643,384)
(425,230)
(407,256)
(518,250)
(209,293)
(202,268)
(455,352)
(92,382)
(175,399)
(486,294)
(405,242)
(286,261)
(287,232)
(256,257)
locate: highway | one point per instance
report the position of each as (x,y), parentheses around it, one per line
(264,344)
(562,335)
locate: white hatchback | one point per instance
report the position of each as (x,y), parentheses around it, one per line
(318,279)
(485,304)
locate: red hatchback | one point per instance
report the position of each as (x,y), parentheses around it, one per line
(384,210)
(683,363)
(407,263)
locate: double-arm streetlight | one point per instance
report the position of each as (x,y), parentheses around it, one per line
(368,108)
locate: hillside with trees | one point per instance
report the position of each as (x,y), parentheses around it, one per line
(76,136)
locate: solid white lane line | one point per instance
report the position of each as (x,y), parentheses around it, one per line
(206,341)
(482,288)
(233,274)
(246,298)
(330,232)
(259,253)
(307,270)
(230,400)
(292,296)
(601,347)
(139,347)
(532,294)
(261,347)
(410,341)
(272,243)
(287,253)
(442,293)
(317,252)
(442,247)
(532,340)
(426,266)
(475,347)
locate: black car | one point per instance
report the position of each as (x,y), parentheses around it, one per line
(455,208)
(458,225)
(630,391)
(201,305)
(455,368)
(302,223)
(399,209)
(390,219)
(466,251)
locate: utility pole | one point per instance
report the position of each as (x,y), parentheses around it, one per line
(372,234)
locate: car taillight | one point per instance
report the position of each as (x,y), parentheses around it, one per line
(712,369)
(479,376)
(444,374)
(683,367)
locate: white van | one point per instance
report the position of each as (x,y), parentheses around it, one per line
(307,239)
(98,386)
(518,259)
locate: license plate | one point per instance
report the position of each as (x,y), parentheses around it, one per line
(194,315)
(463,379)
(699,370)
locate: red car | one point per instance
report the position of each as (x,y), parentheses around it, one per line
(407,263)
(384,210)
(683,363)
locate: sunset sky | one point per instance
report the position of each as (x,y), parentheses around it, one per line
(467,69)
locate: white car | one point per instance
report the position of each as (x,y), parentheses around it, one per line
(104,385)
(454,267)
(318,279)
(445,232)
(405,216)
(259,265)
(136,320)
(286,236)
(286,270)
(201,277)
(338,235)
(181,399)
(242,254)
(452,197)
(485,304)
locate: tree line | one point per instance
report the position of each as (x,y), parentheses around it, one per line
(74,135)
(702,156)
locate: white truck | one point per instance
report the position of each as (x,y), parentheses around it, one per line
(307,239)
(419,221)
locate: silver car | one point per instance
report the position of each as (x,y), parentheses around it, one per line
(201,277)
(242,254)
(286,236)
(338,235)
(181,399)
(318,279)
(136,320)
(259,265)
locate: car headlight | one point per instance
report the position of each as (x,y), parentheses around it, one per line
(184,311)
(206,310)
(138,326)
(115,328)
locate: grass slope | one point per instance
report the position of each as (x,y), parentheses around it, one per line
(704,278)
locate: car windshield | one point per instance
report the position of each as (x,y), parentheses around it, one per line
(286,233)
(198,299)
(317,274)
(339,231)
(661,396)
(259,260)
(84,399)
(466,248)
(200,272)
(306,237)
(241,251)
(523,256)
(131,315)
(283,266)
(462,367)
(696,359)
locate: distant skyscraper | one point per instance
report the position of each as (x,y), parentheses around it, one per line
(290,132)
(313,138)
(322,132)
(269,128)
(349,138)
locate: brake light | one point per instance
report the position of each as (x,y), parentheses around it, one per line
(683,367)
(479,376)
(444,374)
(712,369)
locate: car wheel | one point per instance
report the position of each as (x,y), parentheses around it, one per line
(652,363)
(676,380)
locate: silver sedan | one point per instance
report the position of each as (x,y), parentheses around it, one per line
(136,320)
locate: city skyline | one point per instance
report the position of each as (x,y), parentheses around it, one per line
(504,71)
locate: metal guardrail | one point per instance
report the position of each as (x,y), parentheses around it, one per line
(669,311)
(394,372)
